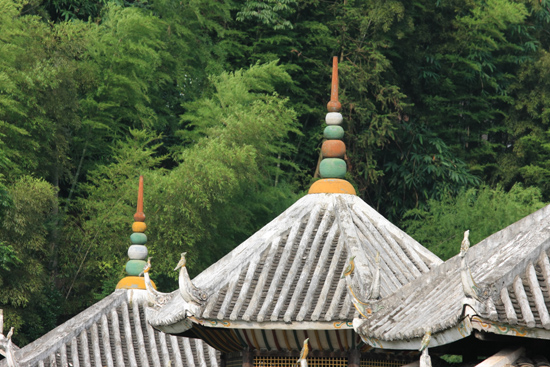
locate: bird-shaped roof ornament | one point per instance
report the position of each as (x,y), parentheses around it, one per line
(375,287)
(6,345)
(469,286)
(155,298)
(364,308)
(425,360)
(302,360)
(188,291)
(465,245)
(349,268)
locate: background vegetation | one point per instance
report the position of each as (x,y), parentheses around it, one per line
(219,104)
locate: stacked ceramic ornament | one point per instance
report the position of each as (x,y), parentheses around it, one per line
(333,149)
(138,251)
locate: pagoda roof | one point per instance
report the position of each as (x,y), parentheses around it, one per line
(114,332)
(289,273)
(511,271)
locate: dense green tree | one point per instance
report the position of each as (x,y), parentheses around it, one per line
(24,255)
(528,124)
(461,64)
(420,168)
(437,97)
(222,189)
(483,211)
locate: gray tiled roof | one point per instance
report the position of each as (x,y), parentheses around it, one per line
(114,332)
(511,267)
(290,270)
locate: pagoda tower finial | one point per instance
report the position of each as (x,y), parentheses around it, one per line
(138,251)
(334,105)
(140,216)
(333,167)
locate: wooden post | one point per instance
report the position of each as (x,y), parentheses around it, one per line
(502,358)
(248,358)
(354,359)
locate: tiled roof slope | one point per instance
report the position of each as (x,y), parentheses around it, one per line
(114,332)
(290,270)
(511,268)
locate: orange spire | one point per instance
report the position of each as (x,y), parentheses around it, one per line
(334,105)
(140,216)
(333,167)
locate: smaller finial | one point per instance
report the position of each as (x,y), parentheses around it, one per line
(334,105)
(137,252)
(140,215)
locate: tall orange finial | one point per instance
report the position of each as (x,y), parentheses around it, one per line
(138,251)
(333,166)
(334,105)
(140,216)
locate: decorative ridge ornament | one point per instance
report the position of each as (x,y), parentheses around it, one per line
(155,298)
(364,308)
(469,286)
(138,251)
(333,167)
(188,291)
(302,360)
(425,360)
(6,345)
(375,288)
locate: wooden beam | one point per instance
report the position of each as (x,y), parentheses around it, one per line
(331,272)
(105,340)
(74,353)
(545,268)
(502,358)
(302,285)
(176,350)
(188,352)
(245,288)
(523,302)
(119,354)
(508,307)
(142,352)
(270,297)
(85,351)
(537,295)
(322,266)
(292,274)
(262,279)
(127,335)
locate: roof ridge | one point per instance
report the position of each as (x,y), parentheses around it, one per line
(43,346)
